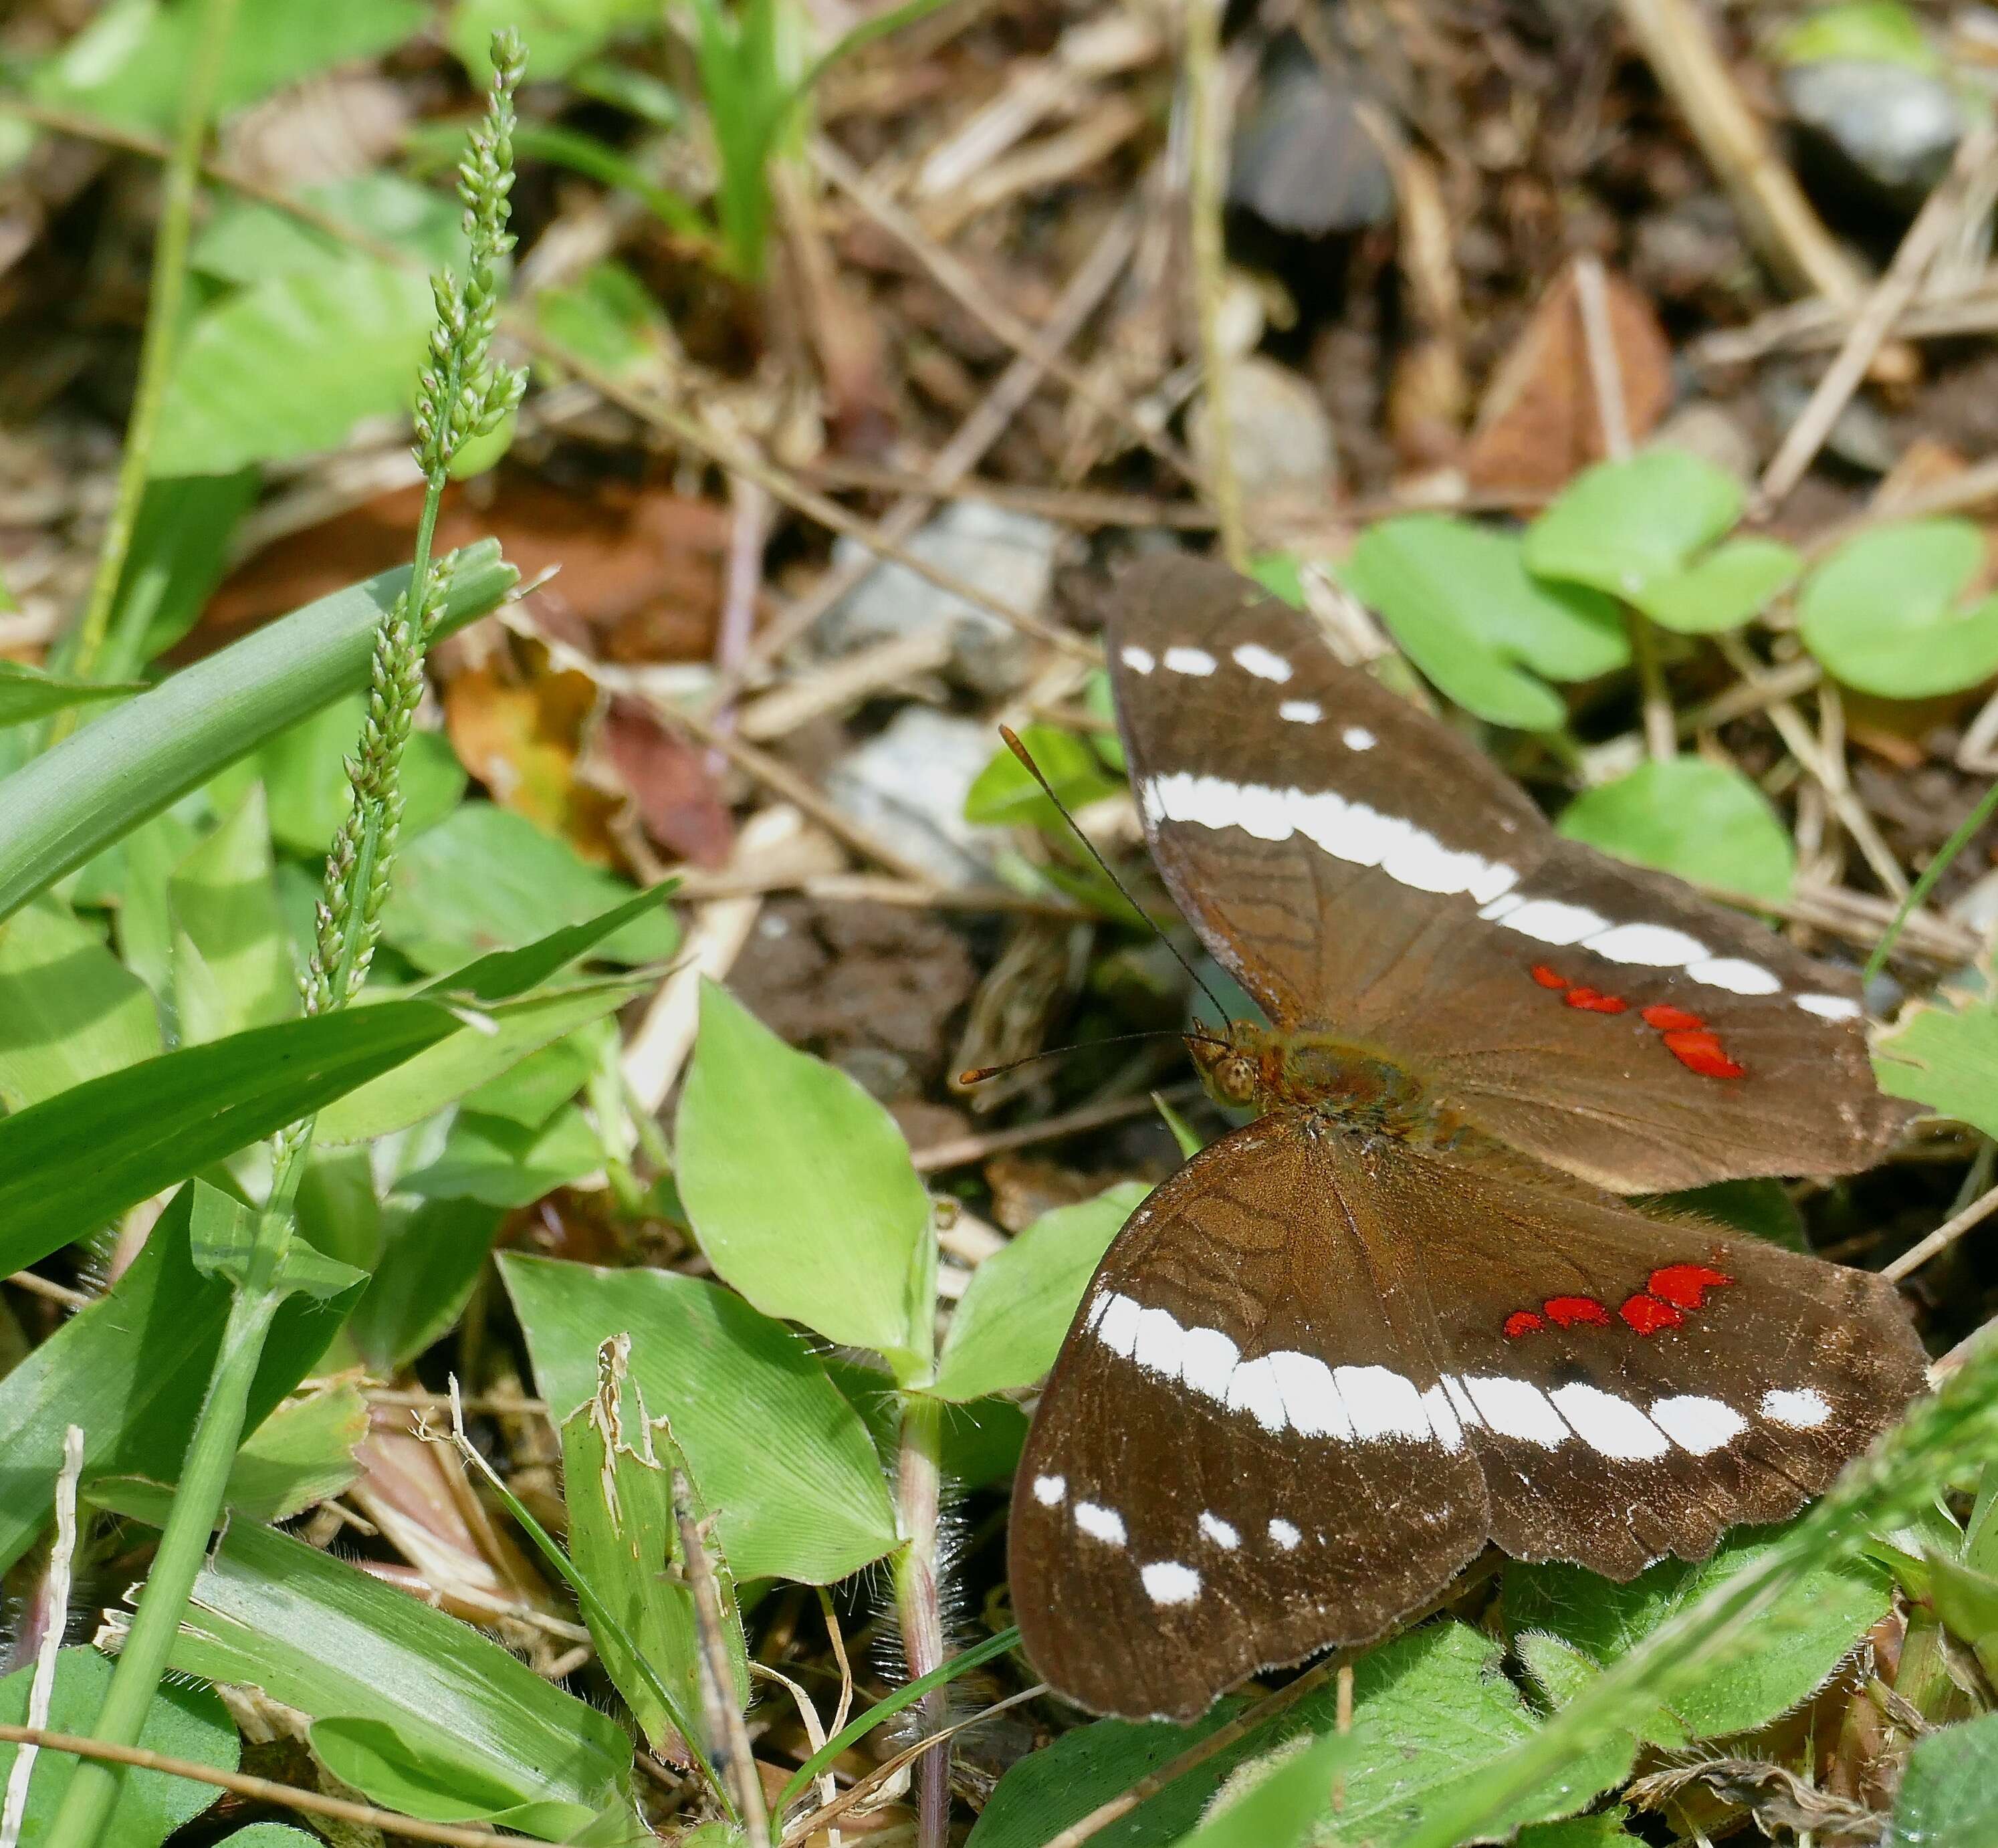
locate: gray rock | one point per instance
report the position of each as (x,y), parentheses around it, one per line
(1710,432)
(907,786)
(1280,438)
(1010,555)
(1303,160)
(1893,124)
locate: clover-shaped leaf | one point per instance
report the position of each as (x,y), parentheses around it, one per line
(1882,612)
(1460,602)
(1642,529)
(1703,821)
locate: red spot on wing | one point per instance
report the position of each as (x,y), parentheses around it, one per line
(1565,1311)
(1522,1321)
(1686,1284)
(1548,978)
(1670,1020)
(1699,1050)
(1648,1315)
(1594,1001)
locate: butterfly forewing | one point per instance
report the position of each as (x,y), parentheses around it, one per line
(1365,872)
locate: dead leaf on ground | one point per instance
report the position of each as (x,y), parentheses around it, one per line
(671,784)
(1540,422)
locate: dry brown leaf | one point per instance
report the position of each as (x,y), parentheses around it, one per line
(670,783)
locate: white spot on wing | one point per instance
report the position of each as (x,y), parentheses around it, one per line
(1802,1410)
(1196,661)
(1733,974)
(1103,1301)
(1167,1582)
(1830,1007)
(1139,661)
(1156,1346)
(1547,920)
(1311,1400)
(1219,1531)
(1382,1402)
(1697,1424)
(1442,1418)
(1254,658)
(1207,1361)
(1460,1400)
(1649,946)
(1610,1426)
(1517,1408)
(1050,1490)
(1100,1523)
(1300,712)
(1357,738)
(1253,1388)
(1284,1534)
(1118,1330)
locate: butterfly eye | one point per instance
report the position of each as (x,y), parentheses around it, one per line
(1235,1079)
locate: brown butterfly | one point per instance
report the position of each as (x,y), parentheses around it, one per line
(1403,1314)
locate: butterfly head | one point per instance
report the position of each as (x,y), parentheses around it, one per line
(1239,1065)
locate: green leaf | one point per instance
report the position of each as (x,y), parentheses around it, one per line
(72,1162)
(416,1706)
(69,803)
(1605,1830)
(69,1010)
(1004,795)
(1624,526)
(1967,1602)
(1828,1612)
(301,1456)
(510,1032)
(247,242)
(783,1458)
(223,1239)
(1881,613)
(1944,1057)
(179,552)
(486,878)
(433,1252)
(289,366)
(1277,1804)
(233,955)
(187,1723)
(608,317)
(800,1189)
(1866,32)
(28,693)
(132,1369)
(131,65)
(503,1164)
(1008,1325)
(560,34)
(304,771)
(1732,583)
(271,1835)
(1705,822)
(1949,1797)
(1762,1208)
(1459,600)
(505,972)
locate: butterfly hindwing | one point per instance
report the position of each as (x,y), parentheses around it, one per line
(1364,871)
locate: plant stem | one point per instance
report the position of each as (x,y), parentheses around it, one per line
(919,1490)
(163,326)
(86,1805)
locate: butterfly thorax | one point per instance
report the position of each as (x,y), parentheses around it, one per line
(1259,1069)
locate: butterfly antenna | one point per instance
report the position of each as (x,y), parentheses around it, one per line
(978,1074)
(1061,808)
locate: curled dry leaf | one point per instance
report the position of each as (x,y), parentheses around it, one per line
(671,784)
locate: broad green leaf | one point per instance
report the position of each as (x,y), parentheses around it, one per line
(1705,822)
(289,366)
(233,954)
(505,972)
(69,803)
(187,1723)
(72,1162)
(542,1083)
(407,1695)
(131,64)
(1967,1602)
(624,1544)
(223,1240)
(1949,1797)
(560,34)
(1603,1830)
(1458,599)
(1946,1058)
(132,1369)
(1882,612)
(1430,1711)
(1003,794)
(69,1010)
(433,1252)
(1722,590)
(1624,526)
(1008,1324)
(246,242)
(28,693)
(787,1464)
(273,1835)
(301,1456)
(486,878)
(501,1163)
(304,772)
(179,552)
(610,318)
(1867,32)
(1829,1610)
(511,1031)
(1762,1208)
(800,1189)
(1280,1802)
